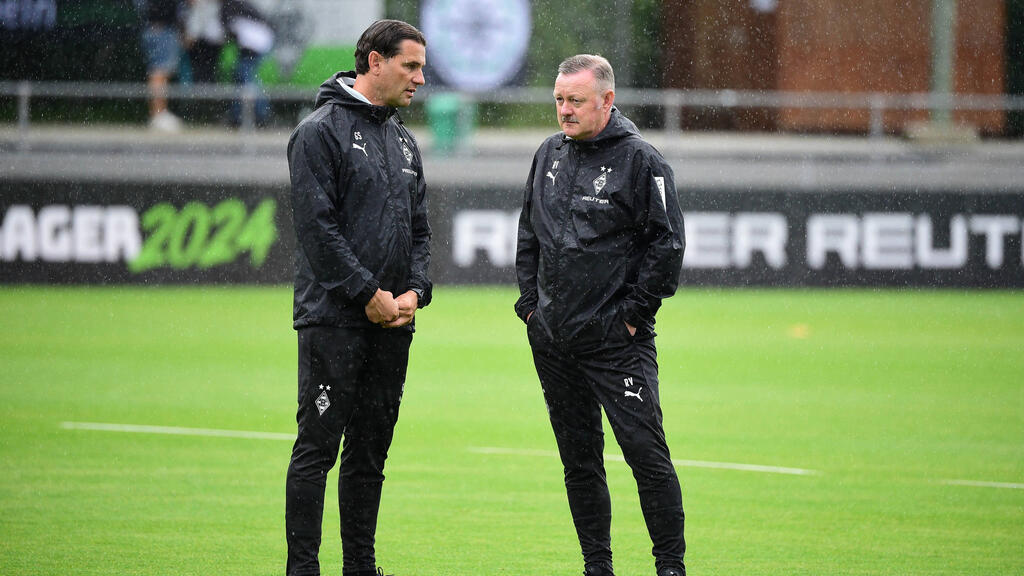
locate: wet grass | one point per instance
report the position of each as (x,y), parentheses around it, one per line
(889,397)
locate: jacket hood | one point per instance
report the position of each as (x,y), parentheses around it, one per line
(332,93)
(618,127)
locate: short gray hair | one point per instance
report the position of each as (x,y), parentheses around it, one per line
(599,65)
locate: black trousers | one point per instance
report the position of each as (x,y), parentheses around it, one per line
(621,376)
(350,386)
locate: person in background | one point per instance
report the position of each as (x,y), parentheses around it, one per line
(161,46)
(254,37)
(204,39)
(600,246)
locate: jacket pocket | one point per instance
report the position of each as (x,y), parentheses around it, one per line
(535,333)
(619,325)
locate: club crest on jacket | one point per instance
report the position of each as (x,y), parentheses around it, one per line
(405,151)
(601,180)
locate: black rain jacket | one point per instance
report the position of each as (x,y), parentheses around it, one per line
(600,235)
(359,209)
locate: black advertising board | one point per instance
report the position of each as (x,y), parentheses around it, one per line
(926,239)
(143,234)
(195,233)
(899,238)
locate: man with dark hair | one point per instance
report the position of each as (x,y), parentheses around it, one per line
(361,258)
(385,35)
(600,245)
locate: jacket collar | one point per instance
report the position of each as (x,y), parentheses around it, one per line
(331,92)
(618,127)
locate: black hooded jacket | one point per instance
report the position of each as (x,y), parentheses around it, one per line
(359,209)
(600,235)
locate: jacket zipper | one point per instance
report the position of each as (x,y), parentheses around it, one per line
(566,210)
(389,202)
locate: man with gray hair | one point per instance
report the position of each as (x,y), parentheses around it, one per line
(600,245)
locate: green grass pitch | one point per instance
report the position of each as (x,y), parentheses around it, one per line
(908,406)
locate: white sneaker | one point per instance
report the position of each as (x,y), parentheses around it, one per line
(165,122)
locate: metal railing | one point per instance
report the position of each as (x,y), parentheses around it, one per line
(247,95)
(671,101)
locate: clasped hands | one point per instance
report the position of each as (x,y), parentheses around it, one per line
(390,312)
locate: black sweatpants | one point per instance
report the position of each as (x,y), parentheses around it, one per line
(620,375)
(350,385)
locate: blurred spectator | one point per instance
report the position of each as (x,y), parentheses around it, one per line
(161,45)
(204,39)
(209,26)
(254,37)
(293,27)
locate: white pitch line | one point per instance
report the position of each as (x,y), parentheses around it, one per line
(248,434)
(983,484)
(685,463)
(176,431)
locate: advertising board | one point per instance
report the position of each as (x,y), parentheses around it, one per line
(64,232)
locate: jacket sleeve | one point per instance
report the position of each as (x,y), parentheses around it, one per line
(527,253)
(418,277)
(313,162)
(664,238)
